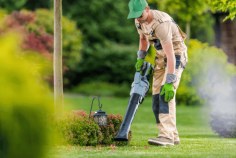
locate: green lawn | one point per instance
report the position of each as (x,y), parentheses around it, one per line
(196,136)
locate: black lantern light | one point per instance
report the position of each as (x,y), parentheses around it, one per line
(100,116)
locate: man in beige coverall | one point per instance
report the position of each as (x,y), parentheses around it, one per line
(160,30)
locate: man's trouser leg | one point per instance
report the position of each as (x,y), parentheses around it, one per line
(165,112)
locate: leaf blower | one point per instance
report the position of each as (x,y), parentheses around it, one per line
(139,90)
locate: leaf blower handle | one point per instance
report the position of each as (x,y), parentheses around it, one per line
(147,69)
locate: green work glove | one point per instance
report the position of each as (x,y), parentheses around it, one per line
(139,64)
(169,92)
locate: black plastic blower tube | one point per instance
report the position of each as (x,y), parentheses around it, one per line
(134,102)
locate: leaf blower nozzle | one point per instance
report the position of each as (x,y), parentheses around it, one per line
(139,90)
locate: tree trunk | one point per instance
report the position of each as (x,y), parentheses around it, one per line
(188,32)
(58,80)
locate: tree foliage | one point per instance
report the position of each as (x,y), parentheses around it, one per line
(34,40)
(207,75)
(16,5)
(98,20)
(102,20)
(224,5)
(36,29)
(202,28)
(184,9)
(193,11)
(110,62)
(72,37)
(108,48)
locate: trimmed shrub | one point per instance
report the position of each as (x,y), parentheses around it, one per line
(77,128)
(112,129)
(224,124)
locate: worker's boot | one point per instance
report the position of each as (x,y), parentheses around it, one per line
(162,141)
(177,142)
(176,139)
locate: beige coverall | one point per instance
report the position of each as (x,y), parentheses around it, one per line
(161,30)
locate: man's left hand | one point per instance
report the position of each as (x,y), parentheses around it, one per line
(139,64)
(169,92)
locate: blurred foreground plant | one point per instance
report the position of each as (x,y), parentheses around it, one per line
(23,102)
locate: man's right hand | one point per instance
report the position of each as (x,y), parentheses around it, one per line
(139,64)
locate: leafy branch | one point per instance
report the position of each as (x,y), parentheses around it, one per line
(224,6)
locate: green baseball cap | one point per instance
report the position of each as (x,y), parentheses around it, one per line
(136,8)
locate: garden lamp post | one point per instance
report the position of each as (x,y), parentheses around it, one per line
(100,116)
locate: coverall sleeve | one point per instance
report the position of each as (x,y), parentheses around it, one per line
(136,25)
(164,32)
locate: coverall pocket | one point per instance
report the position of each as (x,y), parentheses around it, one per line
(159,63)
(177,62)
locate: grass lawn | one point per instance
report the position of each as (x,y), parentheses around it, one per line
(197,138)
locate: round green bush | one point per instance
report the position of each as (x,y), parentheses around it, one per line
(77,128)
(112,129)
